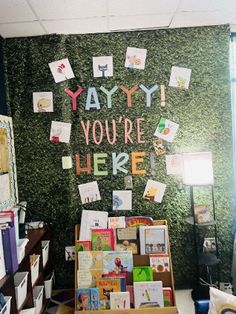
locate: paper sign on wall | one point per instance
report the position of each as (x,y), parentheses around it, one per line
(166,130)
(61,70)
(89,192)
(60,132)
(102,66)
(154,191)
(66,162)
(122,200)
(180,77)
(135,58)
(43,102)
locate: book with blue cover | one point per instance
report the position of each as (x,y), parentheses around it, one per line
(9,248)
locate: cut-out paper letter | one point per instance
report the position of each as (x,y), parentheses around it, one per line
(149,93)
(92,93)
(129,92)
(73,96)
(99,159)
(109,94)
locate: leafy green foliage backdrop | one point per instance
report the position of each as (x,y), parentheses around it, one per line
(203,113)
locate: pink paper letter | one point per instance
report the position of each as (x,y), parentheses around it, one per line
(97,122)
(128,130)
(86,130)
(113,132)
(73,96)
(139,133)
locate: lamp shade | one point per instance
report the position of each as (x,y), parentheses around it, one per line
(197,168)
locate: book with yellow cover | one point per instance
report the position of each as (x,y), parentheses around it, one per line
(90,260)
(105,287)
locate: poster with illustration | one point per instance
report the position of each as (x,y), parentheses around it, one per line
(166,130)
(89,192)
(43,102)
(122,200)
(60,132)
(154,191)
(174,164)
(180,77)
(135,58)
(61,70)
(103,66)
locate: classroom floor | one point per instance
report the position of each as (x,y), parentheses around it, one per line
(62,302)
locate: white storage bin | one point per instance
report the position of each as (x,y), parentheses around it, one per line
(45,251)
(34,269)
(20,281)
(38,298)
(28,311)
(7,307)
(21,249)
(48,286)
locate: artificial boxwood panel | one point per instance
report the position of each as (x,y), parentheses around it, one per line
(203,113)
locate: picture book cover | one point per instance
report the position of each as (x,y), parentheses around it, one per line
(142,273)
(91,219)
(120,276)
(83,246)
(89,192)
(102,239)
(135,58)
(154,191)
(105,287)
(116,222)
(61,70)
(153,239)
(202,214)
(168,296)
(43,101)
(86,278)
(130,289)
(127,239)
(90,260)
(60,132)
(117,261)
(148,294)
(180,77)
(159,262)
(94,299)
(119,300)
(83,299)
(166,129)
(122,200)
(103,66)
(136,221)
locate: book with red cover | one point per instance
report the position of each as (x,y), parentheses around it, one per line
(83,245)
(102,239)
(168,296)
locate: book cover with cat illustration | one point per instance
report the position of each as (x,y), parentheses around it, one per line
(105,287)
(102,239)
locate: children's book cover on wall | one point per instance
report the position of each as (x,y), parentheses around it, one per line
(159,262)
(43,101)
(166,129)
(117,261)
(90,260)
(105,287)
(153,239)
(180,77)
(91,219)
(148,294)
(89,192)
(102,239)
(135,58)
(116,222)
(60,132)
(154,191)
(103,66)
(61,70)
(127,239)
(119,300)
(122,200)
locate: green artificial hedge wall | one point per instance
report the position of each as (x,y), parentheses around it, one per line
(203,112)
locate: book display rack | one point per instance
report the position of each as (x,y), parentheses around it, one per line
(161,280)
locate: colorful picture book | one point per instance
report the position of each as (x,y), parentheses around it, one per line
(92,219)
(116,222)
(148,294)
(120,276)
(102,239)
(86,278)
(154,191)
(127,239)
(168,296)
(153,239)
(83,246)
(105,287)
(166,130)
(142,273)
(89,192)
(136,221)
(117,261)
(202,214)
(90,260)
(87,299)
(122,200)
(119,300)
(159,262)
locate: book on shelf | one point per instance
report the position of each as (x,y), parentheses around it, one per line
(9,249)
(102,239)
(119,300)
(2,262)
(94,299)
(153,239)
(130,289)
(136,221)
(116,222)
(88,278)
(148,294)
(117,261)
(92,219)
(120,276)
(83,246)
(90,260)
(202,214)
(83,299)
(127,239)
(159,262)
(168,296)
(105,286)
(142,273)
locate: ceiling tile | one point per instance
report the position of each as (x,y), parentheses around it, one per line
(139,22)
(12,11)
(21,29)
(188,19)
(80,26)
(72,9)
(141,7)
(209,5)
